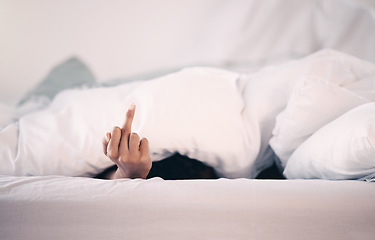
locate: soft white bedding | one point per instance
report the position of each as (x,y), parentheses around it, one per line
(342,149)
(218,117)
(243,35)
(56,207)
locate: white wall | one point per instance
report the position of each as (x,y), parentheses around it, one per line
(119,38)
(115,38)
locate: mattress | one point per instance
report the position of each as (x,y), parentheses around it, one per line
(59,207)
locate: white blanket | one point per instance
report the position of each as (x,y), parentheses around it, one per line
(219,117)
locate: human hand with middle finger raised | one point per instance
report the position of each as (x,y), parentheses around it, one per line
(127,150)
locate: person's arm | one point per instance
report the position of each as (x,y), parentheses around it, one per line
(127,150)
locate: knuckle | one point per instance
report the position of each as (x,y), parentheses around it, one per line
(116,129)
(145,158)
(123,130)
(123,159)
(112,154)
(134,135)
(129,113)
(134,155)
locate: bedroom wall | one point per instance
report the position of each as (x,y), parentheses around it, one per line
(124,38)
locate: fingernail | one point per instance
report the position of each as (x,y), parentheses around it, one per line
(108,134)
(131,106)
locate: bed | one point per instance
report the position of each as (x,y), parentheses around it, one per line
(51,207)
(300,108)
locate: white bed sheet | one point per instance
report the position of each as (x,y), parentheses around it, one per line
(58,207)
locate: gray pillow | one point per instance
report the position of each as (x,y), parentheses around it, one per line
(72,73)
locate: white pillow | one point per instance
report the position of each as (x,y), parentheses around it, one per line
(365,87)
(266,93)
(343,149)
(313,103)
(196,112)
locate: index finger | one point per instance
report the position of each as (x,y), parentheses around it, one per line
(127,127)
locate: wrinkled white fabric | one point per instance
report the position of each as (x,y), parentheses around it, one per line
(267,92)
(208,114)
(342,149)
(65,137)
(196,112)
(314,102)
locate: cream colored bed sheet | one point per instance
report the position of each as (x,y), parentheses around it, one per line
(57,207)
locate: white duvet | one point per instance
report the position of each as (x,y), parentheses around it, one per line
(235,123)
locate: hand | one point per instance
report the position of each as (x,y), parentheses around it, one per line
(127,151)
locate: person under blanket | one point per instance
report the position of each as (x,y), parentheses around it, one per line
(238,124)
(132,158)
